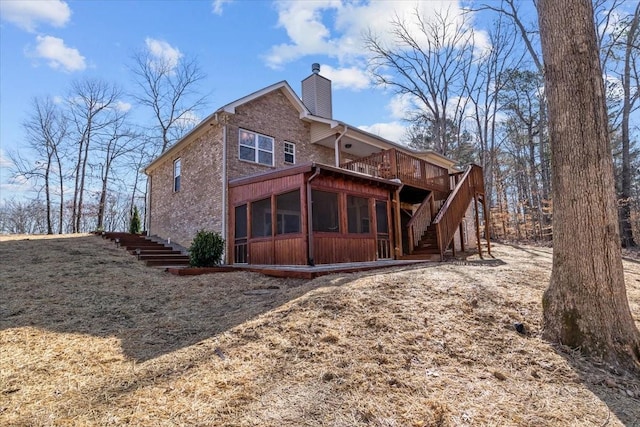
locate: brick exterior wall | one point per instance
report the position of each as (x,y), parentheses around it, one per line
(272,115)
(198,204)
(179,215)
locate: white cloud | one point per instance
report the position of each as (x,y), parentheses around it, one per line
(27,14)
(335,27)
(123,106)
(346,78)
(218,5)
(58,54)
(4,160)
(163,52)
(393,131)
(401,106)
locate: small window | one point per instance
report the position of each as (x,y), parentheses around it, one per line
(358,214)
(177,169)
(255,147)
(325,211)
(288,212)
(261,218)
(289,152)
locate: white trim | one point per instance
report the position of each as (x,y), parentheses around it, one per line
(225,206)
(293,153)
(256,147)
(283,85)
(178,161)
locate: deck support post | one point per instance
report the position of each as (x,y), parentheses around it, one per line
(398,226)
(475,202)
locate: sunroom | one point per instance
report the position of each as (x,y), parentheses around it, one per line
(311,214)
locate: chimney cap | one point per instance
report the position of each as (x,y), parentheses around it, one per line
(315,68)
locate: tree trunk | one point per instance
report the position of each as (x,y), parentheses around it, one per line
(586,305)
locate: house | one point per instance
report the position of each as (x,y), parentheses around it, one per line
(287,184)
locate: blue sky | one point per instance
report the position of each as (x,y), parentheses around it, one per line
(241,45)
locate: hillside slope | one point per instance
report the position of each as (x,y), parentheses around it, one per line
(89,336)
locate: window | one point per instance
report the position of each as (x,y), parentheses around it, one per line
(256,148)
(358,214)
(325,211)
(288,213)
(261,218)
(176,174)
(289,152)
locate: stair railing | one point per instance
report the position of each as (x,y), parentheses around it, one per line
(419,222)
(454,208)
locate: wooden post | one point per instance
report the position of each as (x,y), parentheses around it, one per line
(394,167)
(461,237)
(475,202)
(487,225)
(398,225)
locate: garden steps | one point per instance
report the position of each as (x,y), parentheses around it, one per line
(153,254)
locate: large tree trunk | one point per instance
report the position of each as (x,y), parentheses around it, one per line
(586,304)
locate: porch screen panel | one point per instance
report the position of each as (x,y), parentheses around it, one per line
(240,244)
(381,217)
(288,213)
(241,222)
(358,216)
(325,211)
(261,218)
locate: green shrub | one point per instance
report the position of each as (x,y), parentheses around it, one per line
(134,224)
(206,249)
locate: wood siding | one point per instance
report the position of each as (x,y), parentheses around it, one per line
(292,249)
(342,248)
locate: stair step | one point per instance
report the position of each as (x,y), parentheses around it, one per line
(158,251)
(156,262)
(163,256)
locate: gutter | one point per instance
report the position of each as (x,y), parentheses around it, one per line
(310,254)
(337,147)
(225,257)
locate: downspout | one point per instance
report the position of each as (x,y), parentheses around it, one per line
(337,145)
(225,233)
(310,253)
(148,206)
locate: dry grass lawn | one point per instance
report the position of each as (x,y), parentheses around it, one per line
(90,336)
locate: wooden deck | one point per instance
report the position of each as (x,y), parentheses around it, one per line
(394,164)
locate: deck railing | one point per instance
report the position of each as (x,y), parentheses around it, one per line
(391,164)
(419,222)
(451,213)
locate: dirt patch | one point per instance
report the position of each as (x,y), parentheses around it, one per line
(90,336)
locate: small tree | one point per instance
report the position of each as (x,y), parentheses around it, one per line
(134,224)
(206,249)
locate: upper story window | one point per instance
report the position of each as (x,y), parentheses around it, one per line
(177,170)
(255,147)
(289,152)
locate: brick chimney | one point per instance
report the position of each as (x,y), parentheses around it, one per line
(316,93)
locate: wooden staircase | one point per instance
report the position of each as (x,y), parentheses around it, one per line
(152,253)
(431,233)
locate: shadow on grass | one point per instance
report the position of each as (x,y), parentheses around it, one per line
(86,285)
(610,385)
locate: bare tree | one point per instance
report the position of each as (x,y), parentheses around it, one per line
(93,107)
(430,64)
(46,131)
(119,142)
(501,56)
(586,305)
(630,79)
(170,89)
